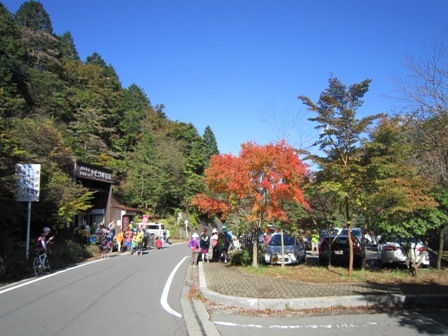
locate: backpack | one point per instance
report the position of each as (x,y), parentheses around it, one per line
(222,239)
(103,239)
(109,236)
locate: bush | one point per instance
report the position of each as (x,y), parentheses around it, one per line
(243,257)
(68,253)
(14,266)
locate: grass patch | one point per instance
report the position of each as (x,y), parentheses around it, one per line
(331,274)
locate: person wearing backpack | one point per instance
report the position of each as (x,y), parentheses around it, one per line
(105,240)
(136,243)
(145,239)
(204,244)
(223,243)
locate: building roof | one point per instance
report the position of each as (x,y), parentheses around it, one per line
(116,203)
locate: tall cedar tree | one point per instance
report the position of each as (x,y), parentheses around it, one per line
(210,144)
(254,185)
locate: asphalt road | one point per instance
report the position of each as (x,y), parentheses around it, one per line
(397,323)
(130,295)
(119,295)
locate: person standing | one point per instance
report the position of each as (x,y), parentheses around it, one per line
(204,244)
(167,236)
(136,242)
(112,227)
(224,239)
(315,243)
(267,238)
(193,244)
(129,235)
(214,241)
(105,240)
(120,239)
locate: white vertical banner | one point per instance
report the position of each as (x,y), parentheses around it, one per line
(28,186)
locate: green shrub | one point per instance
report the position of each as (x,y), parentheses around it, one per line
(14,266)
(68,253)
(243,257)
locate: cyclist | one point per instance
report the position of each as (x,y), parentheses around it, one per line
(42,242)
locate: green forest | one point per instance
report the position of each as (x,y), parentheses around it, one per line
(384,173)
(56,108)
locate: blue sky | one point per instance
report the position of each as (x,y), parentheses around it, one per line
(239,65)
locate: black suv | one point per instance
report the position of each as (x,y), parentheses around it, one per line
(338,248)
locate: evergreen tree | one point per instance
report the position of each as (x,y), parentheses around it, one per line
(32,15)
(210,144)
(12,72)
(67,47)
(135,106)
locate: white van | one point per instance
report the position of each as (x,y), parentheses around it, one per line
(155,229)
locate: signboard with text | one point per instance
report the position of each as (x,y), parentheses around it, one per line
(91,172)
(28,185)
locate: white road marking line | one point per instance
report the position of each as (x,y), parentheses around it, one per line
(166,289)
(310,326)
(47,276)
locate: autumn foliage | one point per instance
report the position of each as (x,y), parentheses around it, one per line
(254,185)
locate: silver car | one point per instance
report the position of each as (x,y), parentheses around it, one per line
(391,250)
(294,250)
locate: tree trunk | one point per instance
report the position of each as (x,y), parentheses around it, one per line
(350,243)
(255,249)
(440,252)
(283,249)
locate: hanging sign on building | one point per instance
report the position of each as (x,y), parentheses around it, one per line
(91,172)
(28,184)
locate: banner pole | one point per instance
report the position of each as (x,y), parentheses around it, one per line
(28,225)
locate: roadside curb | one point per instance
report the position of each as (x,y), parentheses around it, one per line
(196,317)
(317,302)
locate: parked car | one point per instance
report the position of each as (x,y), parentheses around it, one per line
(336,231)
(337,247)
(392,250)
(357,232)
(294,250)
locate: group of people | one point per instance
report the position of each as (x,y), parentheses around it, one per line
(218,242)
(133,240)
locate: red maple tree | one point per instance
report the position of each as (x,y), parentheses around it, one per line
(254,185)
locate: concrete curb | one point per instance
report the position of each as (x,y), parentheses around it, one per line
(320,302)
(196,317)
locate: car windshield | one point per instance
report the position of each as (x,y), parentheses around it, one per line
(403,240)
(276,240)
(355,232)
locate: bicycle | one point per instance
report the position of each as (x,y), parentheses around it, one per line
(41,264)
